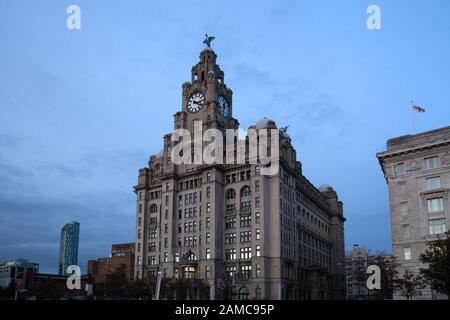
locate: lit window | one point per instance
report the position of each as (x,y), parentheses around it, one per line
(257,217)
(258,234)
(407,253)
(258,250)
(208,253)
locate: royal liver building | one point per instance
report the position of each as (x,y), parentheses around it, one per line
(238,229)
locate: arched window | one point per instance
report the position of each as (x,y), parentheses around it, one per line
(245,191)
(243,293)
(153,208)
(230,194)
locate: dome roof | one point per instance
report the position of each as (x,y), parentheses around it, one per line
(325,188)
(265,124)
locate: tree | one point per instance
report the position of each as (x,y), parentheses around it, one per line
(389,273)
(8,292)
(409,283)
(437,256)
(114,286)
(48,289)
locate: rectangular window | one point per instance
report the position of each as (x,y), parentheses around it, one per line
(258,250)
(257,171)
(208,222)
(403,208)
(433,183)
(230,254)
(431,163)
(400,169)
(208,237)
(230,238)
(208,207)
(258,234)
(231,270)
(246,236)
(402,187)
(437,226)
(246,253)
(230,223)
(406,230)
(257,186)
(257,217)
(257,202)
(246,271)
(208,253)
(407,253)
(246,221)
(435,205)
(208,192)
(258,270)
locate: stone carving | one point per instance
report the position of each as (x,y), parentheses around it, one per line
(445,159)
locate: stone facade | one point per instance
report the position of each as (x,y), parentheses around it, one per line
(266,237)
(417,171)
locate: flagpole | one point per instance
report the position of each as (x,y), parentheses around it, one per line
(413,118)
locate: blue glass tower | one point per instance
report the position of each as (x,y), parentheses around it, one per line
(68,250)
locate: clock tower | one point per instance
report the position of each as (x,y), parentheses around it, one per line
(206,97)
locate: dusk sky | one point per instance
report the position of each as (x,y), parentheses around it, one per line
(81,111)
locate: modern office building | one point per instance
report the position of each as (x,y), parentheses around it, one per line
(68,250)
(417,171)
(10,270)
(122,257)
(263,236)
(356,263)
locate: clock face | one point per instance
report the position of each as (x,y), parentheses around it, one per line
(223,106)
(196,102)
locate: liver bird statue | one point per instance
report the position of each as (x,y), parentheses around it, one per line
(284,129)
(208,40)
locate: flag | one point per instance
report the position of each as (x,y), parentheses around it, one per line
(418,109)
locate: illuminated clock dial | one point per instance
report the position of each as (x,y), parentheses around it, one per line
(223,106)
(196,102)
